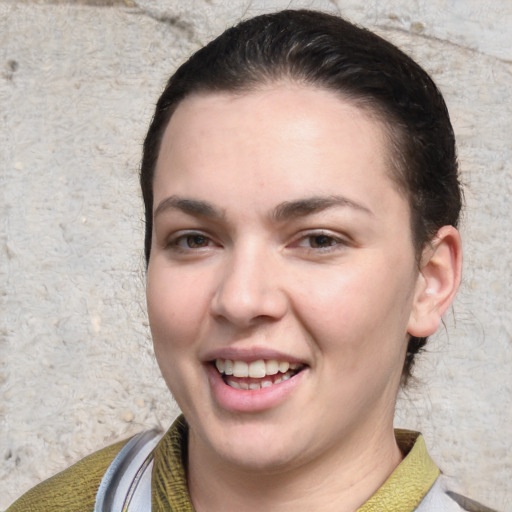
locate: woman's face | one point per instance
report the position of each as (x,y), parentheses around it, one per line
(281,262)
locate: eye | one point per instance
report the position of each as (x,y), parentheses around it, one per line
(321,241)
(189,241)
(195,241)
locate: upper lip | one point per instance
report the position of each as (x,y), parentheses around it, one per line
(249,354)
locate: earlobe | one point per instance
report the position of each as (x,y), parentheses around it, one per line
(438,282)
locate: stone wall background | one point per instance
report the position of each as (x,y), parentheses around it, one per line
(78,81)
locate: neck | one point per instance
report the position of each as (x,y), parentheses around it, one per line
(341,481)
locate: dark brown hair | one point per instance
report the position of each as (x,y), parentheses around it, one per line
(326,51)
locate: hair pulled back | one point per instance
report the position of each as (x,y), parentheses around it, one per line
(326,51)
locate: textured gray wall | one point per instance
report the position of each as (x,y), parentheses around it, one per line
(77,83)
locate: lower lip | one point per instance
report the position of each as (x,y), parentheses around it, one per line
(250,400)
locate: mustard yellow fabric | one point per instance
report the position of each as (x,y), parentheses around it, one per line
(74,490)
(410,481)
(170,492)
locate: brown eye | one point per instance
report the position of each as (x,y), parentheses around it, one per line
(190,241)
(321,241)
(196,241)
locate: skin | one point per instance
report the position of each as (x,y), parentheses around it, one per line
(332,284)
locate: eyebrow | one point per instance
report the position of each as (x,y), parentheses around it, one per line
(282,212)
(311,205)
(189,206)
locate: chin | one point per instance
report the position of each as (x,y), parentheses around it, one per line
(254,445)
(260,457)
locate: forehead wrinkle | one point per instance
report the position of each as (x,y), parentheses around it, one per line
(190,206)
(311,205)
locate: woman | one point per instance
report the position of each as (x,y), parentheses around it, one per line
(302,201)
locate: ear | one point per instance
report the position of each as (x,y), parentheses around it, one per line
(438,282)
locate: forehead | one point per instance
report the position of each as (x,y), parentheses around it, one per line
(287,102)
(289,137)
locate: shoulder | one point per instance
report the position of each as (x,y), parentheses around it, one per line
(431,490)
(441,498)
(72,490)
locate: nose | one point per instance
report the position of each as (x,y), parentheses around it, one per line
(249,289)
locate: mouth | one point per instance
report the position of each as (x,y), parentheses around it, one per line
(257,374)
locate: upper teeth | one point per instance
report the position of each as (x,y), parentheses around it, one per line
(257,369)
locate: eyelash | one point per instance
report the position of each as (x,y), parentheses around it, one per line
(326,242)
(175,242)
(333,242)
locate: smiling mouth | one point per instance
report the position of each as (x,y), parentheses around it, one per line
(257,374)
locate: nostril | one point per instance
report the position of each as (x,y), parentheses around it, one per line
(248,292)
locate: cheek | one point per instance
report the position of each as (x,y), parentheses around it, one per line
(162,312)
(356,308)
(175,305)
(174,327)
